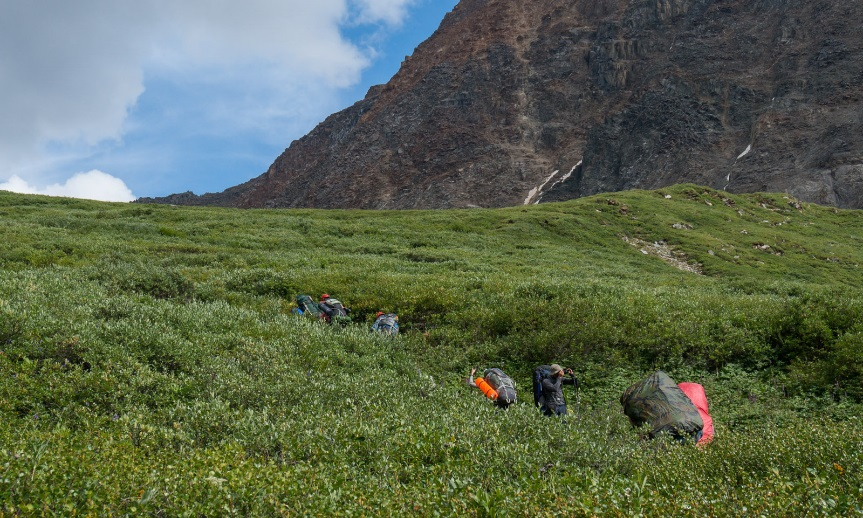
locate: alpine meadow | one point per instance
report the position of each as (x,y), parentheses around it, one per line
(151,365)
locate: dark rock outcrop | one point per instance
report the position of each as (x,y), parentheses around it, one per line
(513,102)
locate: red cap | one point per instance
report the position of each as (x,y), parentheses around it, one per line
(325,296)
(379,313)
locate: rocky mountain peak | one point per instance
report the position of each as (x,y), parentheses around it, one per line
(514,102)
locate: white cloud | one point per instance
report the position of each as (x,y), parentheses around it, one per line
(297,37)
(71,72)
(388,11)
(66,74)
(92,185)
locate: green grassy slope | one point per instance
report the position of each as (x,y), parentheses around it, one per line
(149,361)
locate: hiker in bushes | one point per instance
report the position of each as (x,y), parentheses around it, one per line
(334,311)
(386,323)
(548,382)
(496,386)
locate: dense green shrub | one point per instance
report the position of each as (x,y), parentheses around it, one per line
(260,281)
(161,371)
(146,279)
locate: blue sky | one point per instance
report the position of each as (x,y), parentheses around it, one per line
(118,99)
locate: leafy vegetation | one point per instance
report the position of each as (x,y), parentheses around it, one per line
(150,362)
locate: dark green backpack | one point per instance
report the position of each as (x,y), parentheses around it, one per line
(307,306)
(659,402)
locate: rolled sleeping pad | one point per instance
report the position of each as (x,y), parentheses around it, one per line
(486,389)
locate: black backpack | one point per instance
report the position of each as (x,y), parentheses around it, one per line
(539,374)
(335,312)
(503,385)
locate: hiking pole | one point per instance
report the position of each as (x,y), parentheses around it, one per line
(577,401)
(577,396)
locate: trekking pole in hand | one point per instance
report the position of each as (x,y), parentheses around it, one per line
(577,398)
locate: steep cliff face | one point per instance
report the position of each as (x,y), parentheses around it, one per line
(516,101)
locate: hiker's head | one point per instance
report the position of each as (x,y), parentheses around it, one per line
(325,296)
(379,313)
(556,370)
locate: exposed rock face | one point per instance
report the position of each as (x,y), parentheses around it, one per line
(521,101)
